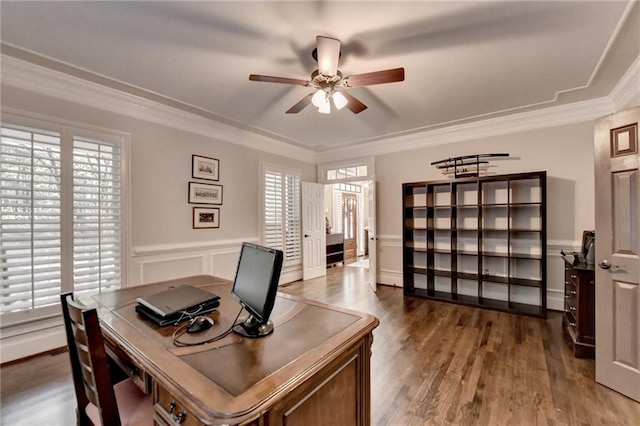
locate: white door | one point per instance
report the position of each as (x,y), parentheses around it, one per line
(618,252)
(314,261)
(372,236)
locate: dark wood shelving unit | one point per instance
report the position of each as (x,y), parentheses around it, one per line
(477,241)
(335,249)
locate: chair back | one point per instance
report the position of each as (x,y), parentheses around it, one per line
(89,363)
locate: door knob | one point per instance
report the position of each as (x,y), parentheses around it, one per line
(307,235)
(605,264)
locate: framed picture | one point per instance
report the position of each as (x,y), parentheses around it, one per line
(205,167)
(206,217)
(205,193)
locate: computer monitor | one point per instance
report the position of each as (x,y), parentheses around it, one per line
(255,287)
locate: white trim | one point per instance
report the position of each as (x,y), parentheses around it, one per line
(514,123)
(31,77)
(27,76)
(627,88)
(187,247)
(370,162)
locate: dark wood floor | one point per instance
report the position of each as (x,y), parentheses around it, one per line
(433,364)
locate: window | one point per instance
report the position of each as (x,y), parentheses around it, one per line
(281,212)
(61,217)
(346,172)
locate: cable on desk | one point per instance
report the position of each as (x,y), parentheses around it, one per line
(182,329)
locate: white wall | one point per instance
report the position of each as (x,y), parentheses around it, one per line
(565,153)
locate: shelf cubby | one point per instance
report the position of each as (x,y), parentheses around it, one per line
(477,241)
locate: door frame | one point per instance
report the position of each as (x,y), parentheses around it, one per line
(370,177)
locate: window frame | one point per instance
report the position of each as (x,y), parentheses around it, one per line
(68,130)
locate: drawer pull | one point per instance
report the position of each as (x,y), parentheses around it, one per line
(572,308)
(178,418)
(572,292)
(574,276)
(572,324)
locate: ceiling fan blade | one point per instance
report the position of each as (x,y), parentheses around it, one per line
(284,80)
(328,55)
(354,104)
(300,105)
(377,77)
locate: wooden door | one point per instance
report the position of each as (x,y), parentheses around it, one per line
(314,260)
(618,252)
(350,224)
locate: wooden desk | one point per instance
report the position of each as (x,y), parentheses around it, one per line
(314,369)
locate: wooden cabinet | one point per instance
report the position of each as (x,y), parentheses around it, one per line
(478,241)
(578,321)
(335,248)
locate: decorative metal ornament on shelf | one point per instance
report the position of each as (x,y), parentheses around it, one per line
(466,165)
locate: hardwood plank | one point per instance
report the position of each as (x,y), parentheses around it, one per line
(433,363)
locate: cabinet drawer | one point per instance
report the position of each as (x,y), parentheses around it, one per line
(168,411)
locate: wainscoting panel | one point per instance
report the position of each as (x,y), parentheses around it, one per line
(169,268)
(160,263)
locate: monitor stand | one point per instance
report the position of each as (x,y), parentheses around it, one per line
(252,328)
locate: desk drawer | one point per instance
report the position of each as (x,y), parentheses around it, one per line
(129,366)
(168,411)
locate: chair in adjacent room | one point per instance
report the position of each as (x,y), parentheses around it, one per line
(99,401)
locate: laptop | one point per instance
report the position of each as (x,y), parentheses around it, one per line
(176,300)
(179,317)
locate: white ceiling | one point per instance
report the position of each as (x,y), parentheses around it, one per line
(463,61)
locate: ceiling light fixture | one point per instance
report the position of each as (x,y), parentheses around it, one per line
(339,100)
(325,108)
(323,97)
(319,98)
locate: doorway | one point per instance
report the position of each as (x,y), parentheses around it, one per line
(357,177)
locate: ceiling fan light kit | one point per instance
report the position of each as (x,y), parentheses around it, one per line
(330,84)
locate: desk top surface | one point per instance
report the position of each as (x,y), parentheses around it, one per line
(233,376)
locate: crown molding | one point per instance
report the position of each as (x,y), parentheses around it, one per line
(620,97)
(34,78)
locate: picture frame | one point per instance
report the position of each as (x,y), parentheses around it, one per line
(205,193)
(205,167)
(206,217)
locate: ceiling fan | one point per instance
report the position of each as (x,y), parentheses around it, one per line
(331,85)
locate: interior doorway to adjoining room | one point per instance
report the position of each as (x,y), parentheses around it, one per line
(354,176)
(346,211)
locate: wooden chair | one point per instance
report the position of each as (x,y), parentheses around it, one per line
(99,401)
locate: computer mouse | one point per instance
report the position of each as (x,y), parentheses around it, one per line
(200,323)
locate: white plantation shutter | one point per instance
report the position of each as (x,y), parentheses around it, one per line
(292,213)
(96,216)
(273,208)
(281,215)
(30,248)
(61,218)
